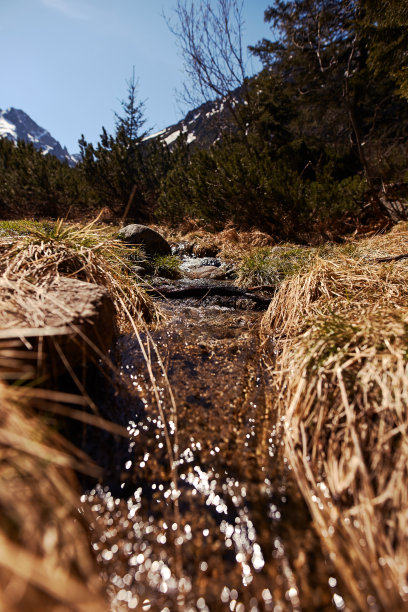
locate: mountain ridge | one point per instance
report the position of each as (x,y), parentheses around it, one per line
(203,125)
(16,124)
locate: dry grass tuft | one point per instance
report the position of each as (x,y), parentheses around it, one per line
(255,238)
(229,235)
(89,253)
(345,278)
(229,243)
(45,560)
(341,345)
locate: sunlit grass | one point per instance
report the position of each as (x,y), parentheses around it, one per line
(167,266)
(271,265)
(45,558)
(21,227)
(42,252)
(341,376)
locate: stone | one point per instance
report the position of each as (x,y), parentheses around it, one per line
(139,270)
(85,306)
(66,322)
(206,272)
(151,241)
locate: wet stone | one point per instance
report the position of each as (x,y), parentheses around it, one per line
(207,272)
(139,270)
(203,267)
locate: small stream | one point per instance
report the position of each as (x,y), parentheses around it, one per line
(206,516)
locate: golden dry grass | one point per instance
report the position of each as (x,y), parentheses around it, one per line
(89,253)
(340,333)
(45,560)
(228,243)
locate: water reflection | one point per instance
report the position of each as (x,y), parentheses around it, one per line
(221,526)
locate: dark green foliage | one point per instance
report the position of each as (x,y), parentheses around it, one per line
(322,128)
(126,168)
(320,57)
(386,25)
(228,183)
(33,184)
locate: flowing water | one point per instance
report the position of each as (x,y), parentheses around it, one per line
(207,516)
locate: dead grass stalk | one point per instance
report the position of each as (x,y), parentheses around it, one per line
(45,559)
(340,335)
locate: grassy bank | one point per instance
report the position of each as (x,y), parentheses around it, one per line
(340,332)
(45,558)
(41,252)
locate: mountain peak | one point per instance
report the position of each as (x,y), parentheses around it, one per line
(16,125)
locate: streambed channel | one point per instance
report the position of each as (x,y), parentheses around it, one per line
(206,515)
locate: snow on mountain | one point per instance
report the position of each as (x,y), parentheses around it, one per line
(17,125)
(203,125)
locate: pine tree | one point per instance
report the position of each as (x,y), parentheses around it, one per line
(130,123)
(118,167)
(386,23)
(320,56)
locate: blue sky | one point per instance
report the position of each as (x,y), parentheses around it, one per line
(66,62)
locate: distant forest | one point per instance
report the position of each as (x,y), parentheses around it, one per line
(316,143)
